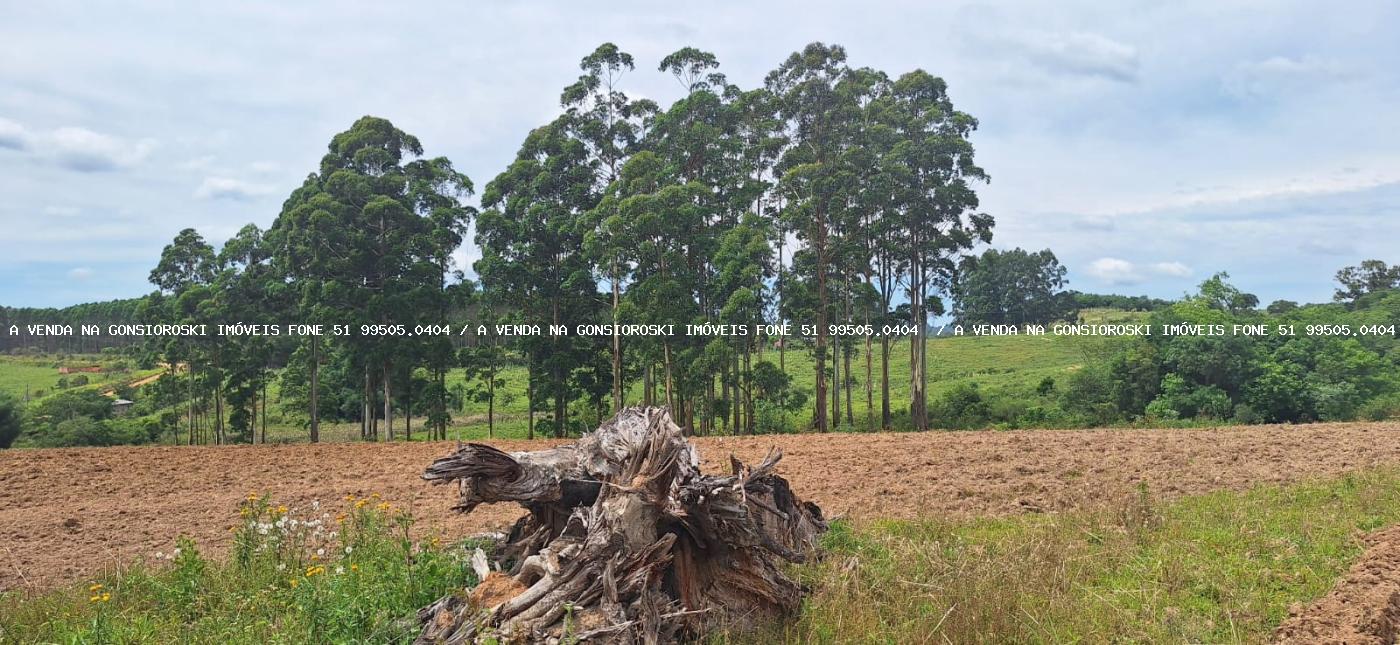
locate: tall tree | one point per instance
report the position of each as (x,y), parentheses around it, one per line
(931,174)
(365,240)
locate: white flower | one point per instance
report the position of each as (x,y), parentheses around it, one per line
(339,569)
(281,566)
(349,549)
(320,552)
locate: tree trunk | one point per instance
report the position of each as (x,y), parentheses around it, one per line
(315,389)
(388,402)
(625,541)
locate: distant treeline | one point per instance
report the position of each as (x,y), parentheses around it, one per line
(102,314)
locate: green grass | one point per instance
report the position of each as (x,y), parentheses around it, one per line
(1222,567)
(349,574)
(998,365)
(37,376)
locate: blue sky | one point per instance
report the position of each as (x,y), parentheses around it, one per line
(1148,144)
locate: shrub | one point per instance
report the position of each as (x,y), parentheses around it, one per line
(9,420)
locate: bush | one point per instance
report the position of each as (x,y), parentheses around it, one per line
(1381,409)
(9,420)
(961,407)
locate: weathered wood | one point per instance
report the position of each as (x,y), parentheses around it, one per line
(626,541)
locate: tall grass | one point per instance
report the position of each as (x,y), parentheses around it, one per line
(1223,567)
(312,575)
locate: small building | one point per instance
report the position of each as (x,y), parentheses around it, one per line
(120,407)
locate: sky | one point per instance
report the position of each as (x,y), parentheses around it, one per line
(1148,144)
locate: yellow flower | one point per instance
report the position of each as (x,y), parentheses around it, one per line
(383,506)
(354,567)
(361,503)
(374,495)
(95,586)
(106,597)
(281,510)
(340,517)
(294,582)
(349,498)
(315,557)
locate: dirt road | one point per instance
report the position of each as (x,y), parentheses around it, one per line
(66,513)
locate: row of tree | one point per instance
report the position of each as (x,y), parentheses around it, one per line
(827,195)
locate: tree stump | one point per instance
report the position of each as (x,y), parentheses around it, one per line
(625,540)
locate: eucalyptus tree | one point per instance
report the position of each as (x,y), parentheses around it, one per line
(817,109)
(931,175)
(363,241)
(530,233)
(186,268)
(610,125)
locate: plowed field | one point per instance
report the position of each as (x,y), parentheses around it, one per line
(67,513)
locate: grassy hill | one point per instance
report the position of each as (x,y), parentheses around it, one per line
(1000,367)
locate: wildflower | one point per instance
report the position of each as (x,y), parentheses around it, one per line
(349,498)
(339,569)
(354,567)
(95,586)
(340,517)
(320,552)
(349,550)
(100,597)
(281,566)
(281,510)
(383,506)
(361,503)
(374,495)
(252,497)
(294,582)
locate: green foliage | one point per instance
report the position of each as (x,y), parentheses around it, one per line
(352,574)
(1012,287)
(9,420)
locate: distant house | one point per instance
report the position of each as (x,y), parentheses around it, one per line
(91,369)
(120,407)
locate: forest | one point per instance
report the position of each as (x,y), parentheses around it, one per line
(841,198)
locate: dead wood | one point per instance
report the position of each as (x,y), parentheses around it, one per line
(625,540)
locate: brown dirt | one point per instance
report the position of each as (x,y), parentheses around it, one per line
(1362,609)
(67,513)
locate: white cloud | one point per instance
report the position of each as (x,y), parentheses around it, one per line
(1171,269)
(197,163)
(1081,54)
(1114,271)
(230,188)
(80,273)
(61,211)
(76,148)
(264,167)
(83,150)
(1281,74)
(13,135)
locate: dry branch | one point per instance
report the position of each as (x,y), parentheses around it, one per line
(625,540)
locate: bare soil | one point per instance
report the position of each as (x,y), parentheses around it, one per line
(1362,609)
(65,514)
